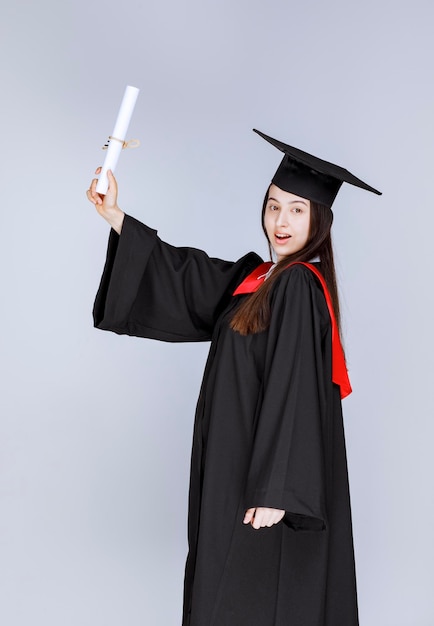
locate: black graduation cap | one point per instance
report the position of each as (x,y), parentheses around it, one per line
(310,177)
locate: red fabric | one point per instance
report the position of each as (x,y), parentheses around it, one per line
(339,368)
(253,280)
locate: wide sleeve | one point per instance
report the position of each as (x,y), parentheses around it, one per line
(152,289)
(287,467)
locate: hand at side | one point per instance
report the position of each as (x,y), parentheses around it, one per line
(260,516)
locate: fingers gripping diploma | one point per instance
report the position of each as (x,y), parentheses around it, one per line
(107,206)
(260,517)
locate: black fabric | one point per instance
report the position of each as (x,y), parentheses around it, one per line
(308,176)
(268,432)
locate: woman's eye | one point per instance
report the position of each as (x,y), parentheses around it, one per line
(297,209)
(273,207)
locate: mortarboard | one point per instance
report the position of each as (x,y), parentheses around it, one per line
(310,177)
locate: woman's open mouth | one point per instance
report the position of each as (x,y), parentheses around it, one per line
(281,237)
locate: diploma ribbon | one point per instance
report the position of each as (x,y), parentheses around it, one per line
(131,143)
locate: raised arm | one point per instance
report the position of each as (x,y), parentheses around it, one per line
(152,289)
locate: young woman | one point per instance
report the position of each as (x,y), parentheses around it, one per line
(270,540)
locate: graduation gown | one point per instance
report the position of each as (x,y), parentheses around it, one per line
(268,432)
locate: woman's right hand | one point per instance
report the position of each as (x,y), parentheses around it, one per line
(107,205)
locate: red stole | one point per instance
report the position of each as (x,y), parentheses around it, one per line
(339,368)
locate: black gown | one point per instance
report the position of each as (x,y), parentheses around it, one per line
(268,432)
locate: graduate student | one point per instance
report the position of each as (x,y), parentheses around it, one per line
(270,539)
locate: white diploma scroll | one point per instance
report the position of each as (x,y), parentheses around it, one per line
(117,139)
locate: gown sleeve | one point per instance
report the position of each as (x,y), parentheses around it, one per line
(152,289)
(287,466)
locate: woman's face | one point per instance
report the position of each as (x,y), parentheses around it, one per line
(286,221)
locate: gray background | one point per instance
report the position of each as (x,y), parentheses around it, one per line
(95,429)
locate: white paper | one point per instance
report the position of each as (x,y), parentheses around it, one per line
(120,130)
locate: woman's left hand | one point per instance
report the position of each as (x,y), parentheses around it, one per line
(260,516)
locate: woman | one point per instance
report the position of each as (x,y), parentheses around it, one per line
(270,540)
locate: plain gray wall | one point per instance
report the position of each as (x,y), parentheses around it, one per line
(95,429)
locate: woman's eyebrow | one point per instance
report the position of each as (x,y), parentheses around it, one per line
(301,201)
(290,202)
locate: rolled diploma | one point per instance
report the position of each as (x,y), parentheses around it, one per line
(120,130)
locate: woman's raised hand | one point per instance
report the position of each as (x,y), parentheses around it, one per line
(107,206)
(260,516)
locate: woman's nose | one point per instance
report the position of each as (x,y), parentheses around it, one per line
(282,219)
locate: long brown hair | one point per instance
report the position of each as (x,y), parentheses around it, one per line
(253,315)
